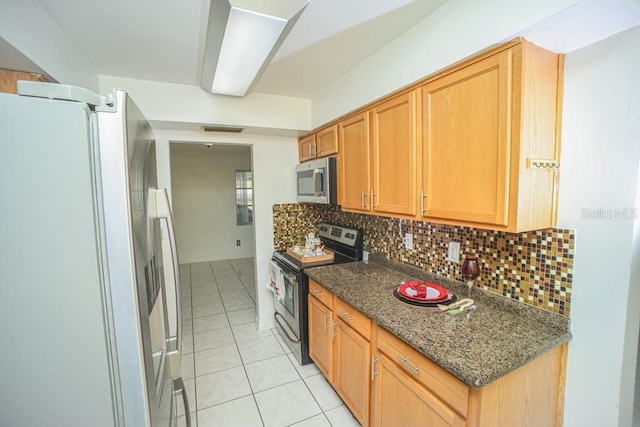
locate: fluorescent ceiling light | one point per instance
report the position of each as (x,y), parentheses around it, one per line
(240,44)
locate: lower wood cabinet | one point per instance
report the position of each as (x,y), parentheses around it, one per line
(400,400)
(386,383)
(423,371)
(339,345)
(351,359)
(321,336)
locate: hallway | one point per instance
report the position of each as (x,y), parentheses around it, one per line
(236,375)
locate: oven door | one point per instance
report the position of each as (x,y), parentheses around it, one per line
(287,310)
(287,307)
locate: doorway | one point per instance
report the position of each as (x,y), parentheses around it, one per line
(203,182)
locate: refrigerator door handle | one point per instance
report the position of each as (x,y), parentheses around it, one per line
(178,388)
(163,211)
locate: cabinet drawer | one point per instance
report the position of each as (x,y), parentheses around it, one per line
(450,389)
(353,318)
(321,293)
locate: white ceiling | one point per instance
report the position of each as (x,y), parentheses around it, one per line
(162,40)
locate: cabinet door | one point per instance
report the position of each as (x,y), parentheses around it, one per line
(353,137)
(401,401)
(394,142)
(466,142)
(307,148)
(320,339)
(9,79)
(327,141)
(351,364)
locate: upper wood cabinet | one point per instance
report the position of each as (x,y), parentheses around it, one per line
(306,147)
(489,142)
(378,152)
(320,144)
(9,79)
(476,145)
(466,142)
(354,163)
(394,140)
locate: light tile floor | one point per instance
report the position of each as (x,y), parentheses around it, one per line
(237,375)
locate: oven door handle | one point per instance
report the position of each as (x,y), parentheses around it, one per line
(285,328)
(291,277)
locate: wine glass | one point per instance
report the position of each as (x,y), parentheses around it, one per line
(470,270)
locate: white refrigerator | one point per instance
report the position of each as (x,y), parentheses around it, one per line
(85,311)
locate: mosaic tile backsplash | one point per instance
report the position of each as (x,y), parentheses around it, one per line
(534,267)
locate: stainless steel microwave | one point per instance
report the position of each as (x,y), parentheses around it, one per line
(316,181)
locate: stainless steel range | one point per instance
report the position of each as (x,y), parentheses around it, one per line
(291,305)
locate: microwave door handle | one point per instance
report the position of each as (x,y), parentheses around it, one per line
(318,177)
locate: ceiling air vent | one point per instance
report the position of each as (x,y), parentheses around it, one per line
(227,129)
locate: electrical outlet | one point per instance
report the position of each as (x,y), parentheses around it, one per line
(408,241)
(237,242)
(454,252)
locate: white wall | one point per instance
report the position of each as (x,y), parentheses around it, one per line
(458,29)
(273,165)
(30,29)
(175,103)
(203,188)
(599,170)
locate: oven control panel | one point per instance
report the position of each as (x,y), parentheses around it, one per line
(346,236)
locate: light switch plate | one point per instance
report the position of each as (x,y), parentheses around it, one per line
(453,254)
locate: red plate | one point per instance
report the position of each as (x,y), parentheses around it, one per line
(420,300)
(428,292)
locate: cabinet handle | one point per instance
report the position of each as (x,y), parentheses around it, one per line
(316,293)
(422,196)
(362,200)
(333,330)
(346,317)
(415,370)
(373,205)
(373,367)
(310,150)
(326,324)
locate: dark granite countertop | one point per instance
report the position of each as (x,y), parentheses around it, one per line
(501,336)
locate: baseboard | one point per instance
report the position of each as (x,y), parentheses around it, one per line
(268,324)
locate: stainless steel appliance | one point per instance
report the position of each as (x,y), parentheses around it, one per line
(83,301)
(291,311)
(316,181)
